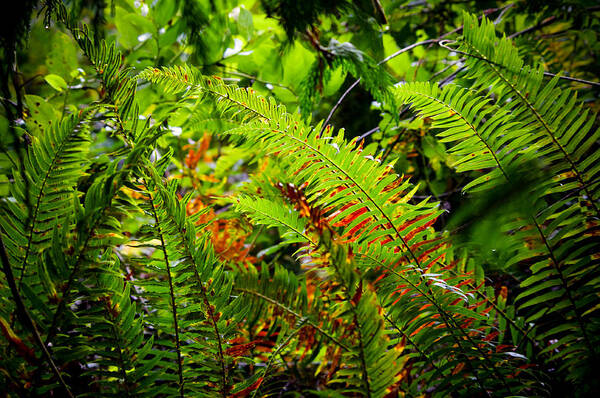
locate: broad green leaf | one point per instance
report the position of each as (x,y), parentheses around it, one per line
(57,82)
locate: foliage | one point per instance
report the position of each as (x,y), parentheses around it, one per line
(182,215)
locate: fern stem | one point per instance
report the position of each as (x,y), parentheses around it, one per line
(294,313)
(171,294)
(338,103)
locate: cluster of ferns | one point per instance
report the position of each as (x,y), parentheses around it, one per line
(382,303)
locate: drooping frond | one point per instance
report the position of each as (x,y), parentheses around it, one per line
(108,63)
(333,171)
(484,136)
(562,128)
(520,128)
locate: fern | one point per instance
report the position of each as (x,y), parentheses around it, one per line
(551,114)
(202,303)
(53,165)
(108,63)
(322,162)
(132,265)
(505,136)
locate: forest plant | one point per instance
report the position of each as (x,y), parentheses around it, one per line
(119,278)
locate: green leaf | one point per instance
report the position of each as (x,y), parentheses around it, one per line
(245,25)
(57,82)
(62,58)
(164,11)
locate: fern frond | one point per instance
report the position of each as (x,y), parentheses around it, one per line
(371,366)
(526,122)
(108,63)
(273,213)
(118,338)
(198,291)
(97,228)
(445,328)
(53,164)
(334,173)
(485,136)
(552,114)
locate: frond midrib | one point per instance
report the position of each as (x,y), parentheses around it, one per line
(171,294)
(294,313)
(542,121)
(36,208)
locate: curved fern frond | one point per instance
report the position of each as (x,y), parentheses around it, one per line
(562,128)
(369,354)
(485,137)
(332,170)
(108,63)
(53,164)
(504,137)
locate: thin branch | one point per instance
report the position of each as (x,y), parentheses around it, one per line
(443,44)
(401,51)
(337,104)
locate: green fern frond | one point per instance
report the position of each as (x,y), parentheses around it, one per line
(108,63)
(53,165)
(485,137)
(551,114)
(526,122)
(198,291)
(118,339)
(273,213)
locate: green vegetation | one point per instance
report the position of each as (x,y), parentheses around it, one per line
(300,198)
